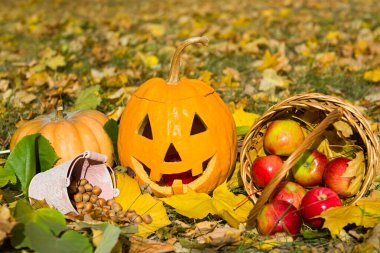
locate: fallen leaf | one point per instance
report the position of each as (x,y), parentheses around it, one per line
(131,197)
(355,170)
(271,81)
(223,203)
(366,213)
(139,245)
(268,61)
(229,207)
(372,75)
(221,236)
(201,228)
(192,204)
(244,120)
(344,129)
(7,222)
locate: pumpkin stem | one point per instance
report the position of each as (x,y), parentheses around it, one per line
(59,110)
(175,63)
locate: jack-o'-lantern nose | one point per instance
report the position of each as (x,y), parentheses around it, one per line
(172,155)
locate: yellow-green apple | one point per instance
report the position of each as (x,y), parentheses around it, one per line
(335,179)
(264,168)
(290,192)
(309,169)
(282,137)
(315,202)
(279,216)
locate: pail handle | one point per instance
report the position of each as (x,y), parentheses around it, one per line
(86,155)
(116,191)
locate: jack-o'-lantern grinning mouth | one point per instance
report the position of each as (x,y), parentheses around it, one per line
(186,177)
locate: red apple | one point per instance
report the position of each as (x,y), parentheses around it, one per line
(334,177)
(282,137)
(315,202)
(264,168)
(279,216)
(309,169)
(290,192)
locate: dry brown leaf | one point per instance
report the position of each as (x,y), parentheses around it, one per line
(222,236)
(344,129)
(201,228)
(142,245)
(7,222)
(355,170)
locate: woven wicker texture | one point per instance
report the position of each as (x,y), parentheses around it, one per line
(330,110)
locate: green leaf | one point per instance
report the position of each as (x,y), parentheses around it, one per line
(112,129)
(109,239)
(24,215)
(33,152)
(46,154)
(88,98)
(22,160)
(7,176)
(43,241)
(50,217)
(315,234)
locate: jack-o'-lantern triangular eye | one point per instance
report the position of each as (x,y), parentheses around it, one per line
(198,125)
(145,128)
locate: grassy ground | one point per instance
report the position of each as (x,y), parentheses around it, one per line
(53,49)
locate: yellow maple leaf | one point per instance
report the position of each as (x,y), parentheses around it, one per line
(130,197)
(268,61)
(372,75)
(243,120)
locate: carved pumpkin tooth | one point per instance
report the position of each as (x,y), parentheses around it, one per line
(178,186)
(197,170)
(155,175)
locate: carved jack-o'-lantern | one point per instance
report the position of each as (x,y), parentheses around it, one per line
(177,134)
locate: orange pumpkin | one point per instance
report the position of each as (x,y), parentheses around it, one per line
(178,134)
(70,133)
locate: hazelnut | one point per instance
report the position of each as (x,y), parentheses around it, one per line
(110,202)
(101,202)
(81,189)
(93,198)
(86,197)
(78,197)
(88,187)
(96,190)
(88,206)
(116,207)
(83,181)
(147,219)
(136,219)
(79,205)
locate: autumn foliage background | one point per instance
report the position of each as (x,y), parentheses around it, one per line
(95,54)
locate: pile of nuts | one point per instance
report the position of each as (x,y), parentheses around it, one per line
(85,197)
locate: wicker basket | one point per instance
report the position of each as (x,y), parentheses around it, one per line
(328,107)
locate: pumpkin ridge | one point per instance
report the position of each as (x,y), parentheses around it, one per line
(86,131)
